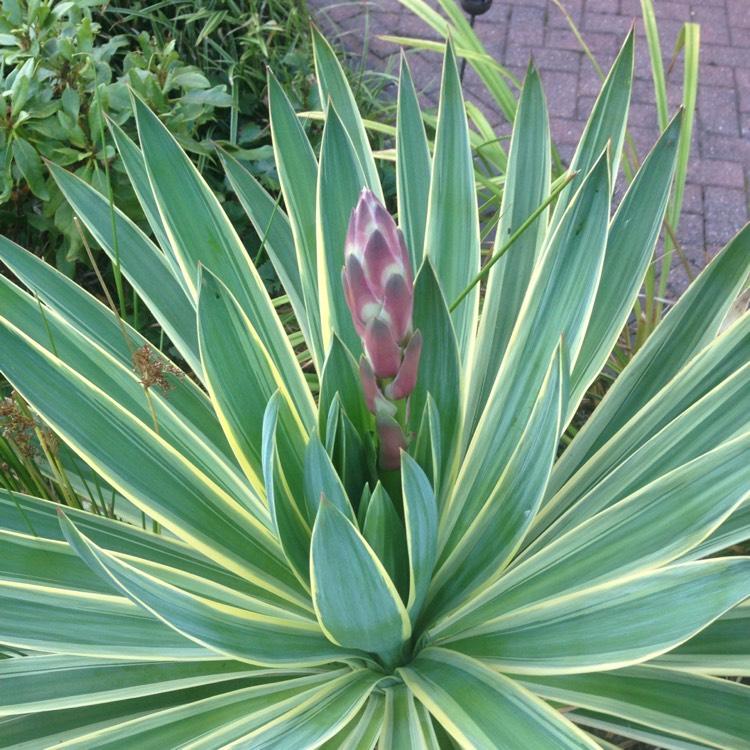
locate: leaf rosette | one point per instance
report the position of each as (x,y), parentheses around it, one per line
(467,584)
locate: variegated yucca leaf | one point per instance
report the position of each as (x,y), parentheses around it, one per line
(262,576)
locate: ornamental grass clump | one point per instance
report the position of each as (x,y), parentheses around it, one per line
(385,547)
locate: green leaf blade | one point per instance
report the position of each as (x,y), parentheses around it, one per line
(697,708)
(690,326)
(334,87)
(556,307)
(256,637)
(413,167)
(361,607)
(452,231)
(483,709)
(594,629)
(242,377)
(421,521)
(527,185)
(340,181)
(630,245)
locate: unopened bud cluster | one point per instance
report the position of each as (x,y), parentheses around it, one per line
(378,284)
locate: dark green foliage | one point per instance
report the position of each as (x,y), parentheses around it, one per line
(62,75)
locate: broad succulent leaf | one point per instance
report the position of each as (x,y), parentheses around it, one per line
(386,546)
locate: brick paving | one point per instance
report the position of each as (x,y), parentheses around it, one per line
(716,198)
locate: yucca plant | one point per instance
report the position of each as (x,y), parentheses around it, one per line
(383,548)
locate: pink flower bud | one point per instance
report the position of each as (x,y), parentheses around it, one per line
(397,305)
(377,271)
(361,302)
(379,263)
(392,440)
(382,349)
(406,378)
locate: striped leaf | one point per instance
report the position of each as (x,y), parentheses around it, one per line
(189,210)
(413,166)
(732,531)
(407,723)
(363,730)
(483,709)
(642,532)
(439,371)
(198,719)
(142,263)
(384,531)
(557,306)
(340,180)
(132,160)
(321,479)
(334,88)
(26,732)
(241,377)
(38,519)
(452,230)
(287,508)
(40,683)
(714,419)
(298,175)
(143,467)
(498,528)
(94,321)
(723,648)
(421,520)
(355,600)
(256,637)
(273,228)
(630,246)
(695,397)
(71,622)
(340,375)
(605,128)
(184,427)
(691,324)
(312,721)
(595,629)
(700,709)
(527,185)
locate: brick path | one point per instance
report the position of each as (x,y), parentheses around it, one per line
(716,199)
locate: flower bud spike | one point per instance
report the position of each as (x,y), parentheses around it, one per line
(406,379)
(378,285)
(382,349)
